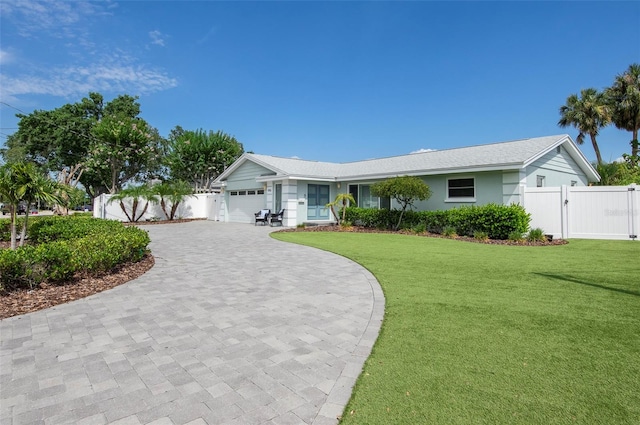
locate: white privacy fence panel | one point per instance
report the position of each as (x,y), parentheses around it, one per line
(597,212)
(601,212)
(545,206)
(202,205)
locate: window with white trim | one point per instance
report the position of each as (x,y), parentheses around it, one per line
(539,181)
(462,188)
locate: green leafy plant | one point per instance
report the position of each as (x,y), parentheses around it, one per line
(480,235)
(405,190)
(515,236)
(536,235)
(450,232)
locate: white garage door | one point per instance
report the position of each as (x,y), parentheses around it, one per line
(243,204)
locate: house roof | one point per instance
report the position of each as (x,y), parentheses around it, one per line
(515,154)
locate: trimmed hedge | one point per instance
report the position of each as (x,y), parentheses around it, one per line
(69,245)
(497,221)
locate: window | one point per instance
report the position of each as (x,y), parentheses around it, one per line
(365,199)
(234,193)
(539,181)
(574,183)
(461,188)
(251,192)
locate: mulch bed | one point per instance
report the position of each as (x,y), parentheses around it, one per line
(45,296)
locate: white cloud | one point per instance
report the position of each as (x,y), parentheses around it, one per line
(51,18)
(157,38)
(5,57)
(424,150)
(73,81)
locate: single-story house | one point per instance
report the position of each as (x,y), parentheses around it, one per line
(475,175)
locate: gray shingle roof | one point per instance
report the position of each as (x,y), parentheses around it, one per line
(512,154)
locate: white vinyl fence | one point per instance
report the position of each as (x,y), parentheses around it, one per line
(594,212)
(201,205)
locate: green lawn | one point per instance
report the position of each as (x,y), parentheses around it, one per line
(487,334)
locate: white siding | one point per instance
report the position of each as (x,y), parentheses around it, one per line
(557,168)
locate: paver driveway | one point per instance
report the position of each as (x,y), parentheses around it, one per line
(230,326)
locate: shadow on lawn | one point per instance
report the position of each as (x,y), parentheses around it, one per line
(568,278)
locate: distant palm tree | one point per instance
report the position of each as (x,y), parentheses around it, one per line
(22,182)
(624,101)
(36,188)
(172,193)
(137,194)
(588,114)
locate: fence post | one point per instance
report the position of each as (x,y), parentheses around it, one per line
(634,212)
(564,208)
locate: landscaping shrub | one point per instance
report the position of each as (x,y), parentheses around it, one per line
(536,234)
(480,235)
(54,228)
(497,221)
(70,245)
(515,236)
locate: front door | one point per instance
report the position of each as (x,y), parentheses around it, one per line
(317,199)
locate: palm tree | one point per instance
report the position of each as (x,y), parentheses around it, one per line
(11,195)
(22,182)
(174,193)
(588,114)
(344,199)
(35,187)
(137,194)
(624,101)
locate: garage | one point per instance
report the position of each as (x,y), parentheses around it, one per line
(243,204)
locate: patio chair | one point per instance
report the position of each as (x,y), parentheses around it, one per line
(262,216)
(277,218)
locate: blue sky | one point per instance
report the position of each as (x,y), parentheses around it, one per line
(329,81)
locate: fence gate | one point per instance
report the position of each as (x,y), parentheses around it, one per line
(595,212)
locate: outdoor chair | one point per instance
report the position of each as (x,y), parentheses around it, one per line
(262,217)
(277,218)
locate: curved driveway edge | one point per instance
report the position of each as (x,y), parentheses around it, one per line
(229,327)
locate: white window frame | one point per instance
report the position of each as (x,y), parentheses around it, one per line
(461,198)
(540,180)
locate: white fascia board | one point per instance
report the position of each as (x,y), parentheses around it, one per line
(295,177)
(432,172)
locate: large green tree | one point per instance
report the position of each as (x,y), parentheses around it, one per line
(124,148)
(588,113)
(624,101)
(198,157)
(63,140)
(404,189)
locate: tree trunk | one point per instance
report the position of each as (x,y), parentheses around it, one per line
(124,210)
(144,210)
(634,146)
(174,208)
(596,148)
(163,205)
(23,234)
(14,231)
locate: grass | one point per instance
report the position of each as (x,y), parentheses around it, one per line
(490,334)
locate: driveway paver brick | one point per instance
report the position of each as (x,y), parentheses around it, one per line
(229,327)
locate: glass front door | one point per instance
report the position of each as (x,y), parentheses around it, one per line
(317,199)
